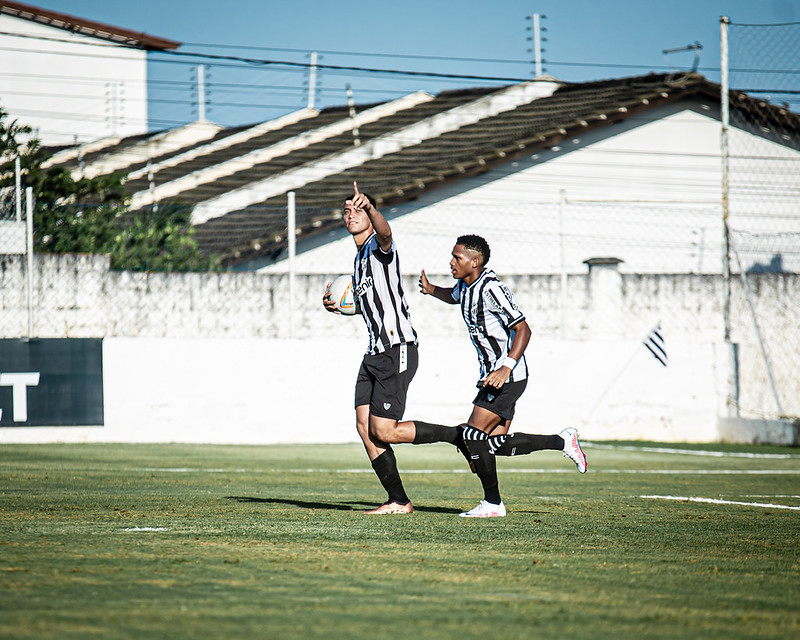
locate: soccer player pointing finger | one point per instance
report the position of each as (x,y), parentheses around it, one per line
(391,359)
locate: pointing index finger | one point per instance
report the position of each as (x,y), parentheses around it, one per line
(355,188)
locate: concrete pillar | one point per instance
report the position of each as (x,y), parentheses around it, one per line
(605,297)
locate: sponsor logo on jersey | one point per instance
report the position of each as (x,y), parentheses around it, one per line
(475,330)
(364,286)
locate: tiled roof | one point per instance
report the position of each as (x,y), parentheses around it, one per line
(441,156)
(87,27)
(260,229)
(205,160)
(301,156)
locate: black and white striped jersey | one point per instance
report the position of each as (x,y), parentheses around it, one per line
(379,287)
(490,313)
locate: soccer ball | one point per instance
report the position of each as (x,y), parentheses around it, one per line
(341,290)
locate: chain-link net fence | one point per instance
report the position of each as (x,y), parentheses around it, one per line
(764,62)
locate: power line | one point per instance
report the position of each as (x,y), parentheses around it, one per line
(250,61)
(361,54)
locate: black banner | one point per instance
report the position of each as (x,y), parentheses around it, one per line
(47,382)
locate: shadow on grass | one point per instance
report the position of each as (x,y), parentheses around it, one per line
(335,506)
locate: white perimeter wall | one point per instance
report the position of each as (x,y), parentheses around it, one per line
(255,391)
(71,86)
(211,358)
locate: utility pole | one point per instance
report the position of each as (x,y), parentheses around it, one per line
(352,107)
(201,92)
(312,80)
(537,40)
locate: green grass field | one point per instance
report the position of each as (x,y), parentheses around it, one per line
(180,541)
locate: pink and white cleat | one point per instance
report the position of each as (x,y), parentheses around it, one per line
(572,449)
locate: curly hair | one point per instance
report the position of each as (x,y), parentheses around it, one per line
(475,243)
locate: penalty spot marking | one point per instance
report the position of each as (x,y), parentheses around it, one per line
(767,505)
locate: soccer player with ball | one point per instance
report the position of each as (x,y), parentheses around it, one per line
(391,359)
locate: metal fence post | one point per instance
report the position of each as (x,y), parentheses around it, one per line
(725,153)
(29,251)
(732,400)
(562,203)
(18,189)
(290,239)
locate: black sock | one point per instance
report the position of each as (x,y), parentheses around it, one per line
(427,433)
(519,444)
(385,466)
(486,468)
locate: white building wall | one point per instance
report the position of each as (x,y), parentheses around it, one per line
(70,87)
(637,195)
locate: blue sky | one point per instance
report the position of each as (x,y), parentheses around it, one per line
(586,40)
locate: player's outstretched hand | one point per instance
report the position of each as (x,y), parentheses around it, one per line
(425,286)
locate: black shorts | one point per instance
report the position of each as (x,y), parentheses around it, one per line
(501,402)
(383,380)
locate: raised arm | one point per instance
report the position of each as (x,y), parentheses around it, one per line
(442,293)
(379,223)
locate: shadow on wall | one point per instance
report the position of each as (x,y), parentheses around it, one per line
(774,266)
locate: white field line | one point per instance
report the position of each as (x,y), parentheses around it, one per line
(770,495)
(193,470)
(691,452)
(708,472)
(141,529)
(529,470)
(767,505)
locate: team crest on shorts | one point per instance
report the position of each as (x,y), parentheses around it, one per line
(387,405)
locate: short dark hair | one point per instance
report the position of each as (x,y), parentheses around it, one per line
(475,243)
(369,197)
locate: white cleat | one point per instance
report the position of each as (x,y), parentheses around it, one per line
(486,510)
(572,449)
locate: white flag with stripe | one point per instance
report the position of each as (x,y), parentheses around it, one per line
(655,345)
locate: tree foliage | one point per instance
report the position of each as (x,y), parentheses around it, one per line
(91,215)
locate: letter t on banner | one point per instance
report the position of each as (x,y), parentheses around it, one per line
(19,383)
